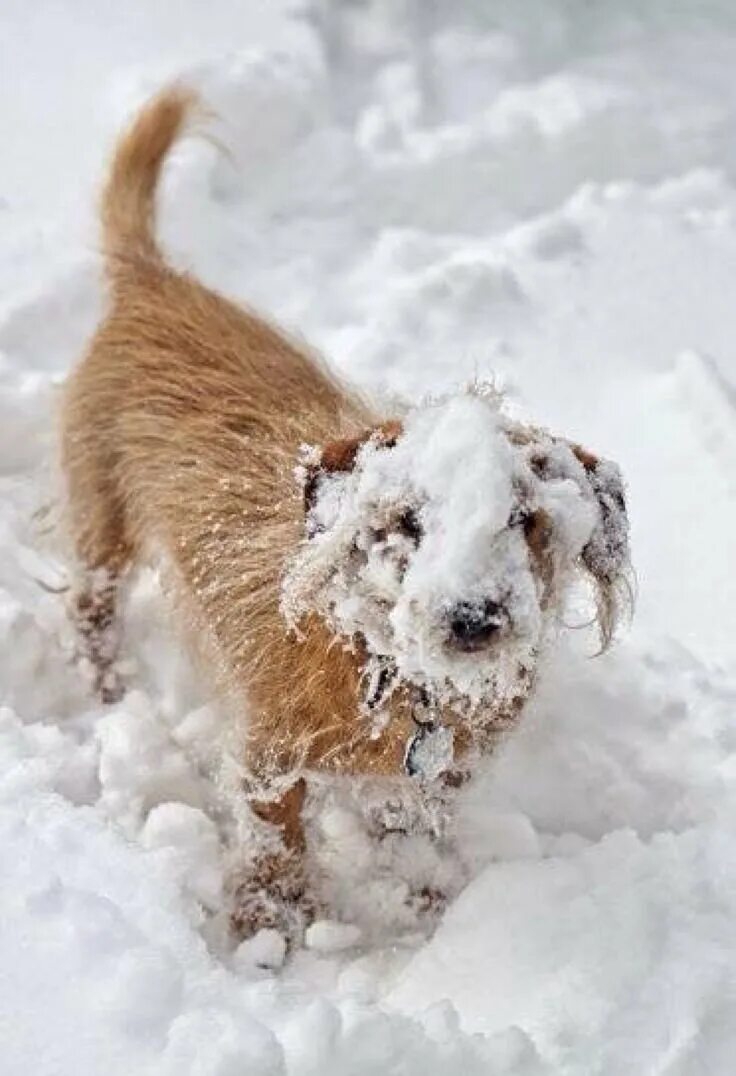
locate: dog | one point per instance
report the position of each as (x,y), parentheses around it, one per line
(374,591)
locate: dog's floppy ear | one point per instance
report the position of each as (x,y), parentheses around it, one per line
(605,557)
(606,554)
(339,456)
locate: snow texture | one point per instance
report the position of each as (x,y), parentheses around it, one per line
(435,194)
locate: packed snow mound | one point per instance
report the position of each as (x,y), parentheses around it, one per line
(433,524)
(434,196)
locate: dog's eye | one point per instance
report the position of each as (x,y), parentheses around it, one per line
(408,525)
(520,516)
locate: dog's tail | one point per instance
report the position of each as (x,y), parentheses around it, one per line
(129,196)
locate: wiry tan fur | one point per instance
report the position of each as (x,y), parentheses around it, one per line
(181,429)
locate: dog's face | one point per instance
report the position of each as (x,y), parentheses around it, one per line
(442,547)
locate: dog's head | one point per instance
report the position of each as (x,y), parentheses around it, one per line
(442,546)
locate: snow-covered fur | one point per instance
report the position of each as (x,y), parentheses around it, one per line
(447,550)
(384,617)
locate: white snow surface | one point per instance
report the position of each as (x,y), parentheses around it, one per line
(432,193)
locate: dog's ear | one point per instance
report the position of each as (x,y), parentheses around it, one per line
(339,456)
(606,554)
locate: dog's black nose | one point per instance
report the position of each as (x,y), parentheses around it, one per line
(473,624)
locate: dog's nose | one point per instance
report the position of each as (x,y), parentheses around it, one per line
(474,624)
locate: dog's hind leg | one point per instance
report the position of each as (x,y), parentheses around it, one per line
(94,612)
(97,524)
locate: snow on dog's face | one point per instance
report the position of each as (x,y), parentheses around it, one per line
(442,545)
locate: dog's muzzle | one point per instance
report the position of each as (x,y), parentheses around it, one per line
(474,625)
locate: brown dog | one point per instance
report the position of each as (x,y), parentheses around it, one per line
(378,604)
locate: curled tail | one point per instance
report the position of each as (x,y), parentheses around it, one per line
(129,197)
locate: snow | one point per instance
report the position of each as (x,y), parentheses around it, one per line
(433,194)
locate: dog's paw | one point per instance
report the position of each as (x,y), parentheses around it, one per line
(429,903)
(104,681)
(256,907)
(109,686)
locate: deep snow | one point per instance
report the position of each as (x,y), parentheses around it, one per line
(431,193)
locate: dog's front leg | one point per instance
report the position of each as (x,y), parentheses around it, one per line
(273,893)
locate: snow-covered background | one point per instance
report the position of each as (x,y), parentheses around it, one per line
(429,192)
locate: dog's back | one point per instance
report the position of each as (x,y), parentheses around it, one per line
(174,367)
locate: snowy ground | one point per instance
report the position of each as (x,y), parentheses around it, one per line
(428,192)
